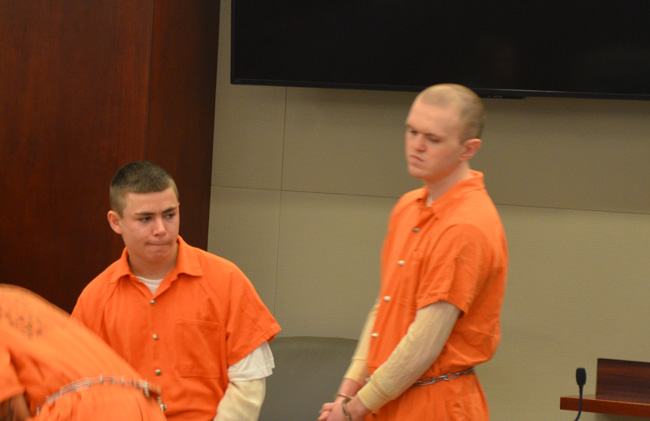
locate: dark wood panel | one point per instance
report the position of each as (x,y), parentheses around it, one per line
(76,103)
(181,112)
(623,380)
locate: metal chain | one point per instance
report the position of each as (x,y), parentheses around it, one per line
(446,377)
(149,390)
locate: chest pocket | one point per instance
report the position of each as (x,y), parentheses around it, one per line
(199,346)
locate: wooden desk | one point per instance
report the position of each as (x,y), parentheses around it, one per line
(622,388)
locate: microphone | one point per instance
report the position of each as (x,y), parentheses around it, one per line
(581,379)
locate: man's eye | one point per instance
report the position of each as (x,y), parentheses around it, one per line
(170,215)
(145,219)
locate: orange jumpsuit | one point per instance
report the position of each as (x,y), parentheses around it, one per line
(454,250)
(42,350)
(204,317)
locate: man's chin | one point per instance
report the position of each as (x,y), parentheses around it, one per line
(416,173)
(159,251)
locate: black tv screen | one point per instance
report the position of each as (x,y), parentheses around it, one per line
(498,48)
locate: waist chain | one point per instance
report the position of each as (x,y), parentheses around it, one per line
(149,390)
(446,377)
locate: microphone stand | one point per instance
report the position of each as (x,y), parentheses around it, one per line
(581,379)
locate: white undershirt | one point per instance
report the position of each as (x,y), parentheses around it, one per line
(256,365)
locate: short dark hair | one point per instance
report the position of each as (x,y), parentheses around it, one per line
(138,177)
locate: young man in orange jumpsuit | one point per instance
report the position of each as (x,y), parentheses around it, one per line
(43,354)
(444,265)
(184,318)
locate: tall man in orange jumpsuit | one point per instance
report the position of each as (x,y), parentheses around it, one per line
(184,318)
(444,265)
(53,368)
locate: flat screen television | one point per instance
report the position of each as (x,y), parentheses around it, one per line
(498,48)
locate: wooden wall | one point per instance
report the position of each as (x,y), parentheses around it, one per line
(84,88)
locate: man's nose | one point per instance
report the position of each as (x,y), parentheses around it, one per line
(419,142)
(159,226)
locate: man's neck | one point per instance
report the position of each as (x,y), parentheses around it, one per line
(439,187)
(153,270)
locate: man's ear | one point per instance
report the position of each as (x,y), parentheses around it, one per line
(470,147)
(114,221)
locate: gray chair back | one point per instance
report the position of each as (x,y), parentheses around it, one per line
(308,372)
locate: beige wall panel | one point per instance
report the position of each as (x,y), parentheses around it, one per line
(244,227)
(568,153)
(578,284)
(249,126)
(328,262)
(346,142)
(577,291)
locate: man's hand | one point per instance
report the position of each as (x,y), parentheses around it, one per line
(328,408)
(14,409)
(333,411)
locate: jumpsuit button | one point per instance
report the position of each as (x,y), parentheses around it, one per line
(155,337)
(152,302)
(416,229)
(158,372)
(387,298)
(401,262)
(375,335)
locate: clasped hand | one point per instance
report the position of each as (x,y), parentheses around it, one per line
(333,411)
